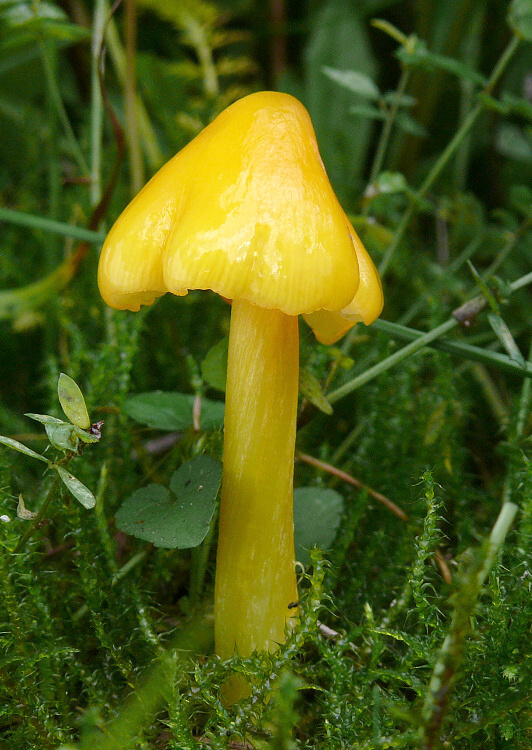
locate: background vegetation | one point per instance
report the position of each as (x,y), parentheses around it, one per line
(415,627)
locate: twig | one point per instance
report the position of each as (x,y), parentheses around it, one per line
(395,509)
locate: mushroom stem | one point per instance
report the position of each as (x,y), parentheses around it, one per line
(255,570)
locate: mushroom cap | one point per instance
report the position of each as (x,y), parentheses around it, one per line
(246,209)
(365,307)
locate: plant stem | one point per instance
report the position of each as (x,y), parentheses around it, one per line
(278,44)
(124,570)
(136,165)
(391,361)
(459,349)
(507,248)
(347,442)
(387,127)
(96,101)
(430,339)
(524,405)
(448,152)
(149,139)
(471,43)
(198,39)
(516,433)
(520,283)
(495,401)
(199,561)
(51,83)
(49,225)
(40,515)
(54,175)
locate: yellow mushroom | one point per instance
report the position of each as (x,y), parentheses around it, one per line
(246,209)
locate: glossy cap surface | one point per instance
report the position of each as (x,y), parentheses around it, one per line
(246,209)
(365,307)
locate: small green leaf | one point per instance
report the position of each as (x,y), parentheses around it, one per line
(77,488)
(22,449)
(172,411)
(177,519)
(520,18)
(366,110)
(21,13)
(65,438)
(65,32)
(85,436)
(390,182)
(516,105)
(484,288)
(28,24)
(45,419)
(337,355)
(504,335)
(356,82)
(22,512)
(72,402)
(214,366)
(514,142)
(317,515)
(419,56)
(310,388)
(62,436)
(410,125)
(405,101)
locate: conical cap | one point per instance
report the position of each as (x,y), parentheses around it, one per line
(246,209)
